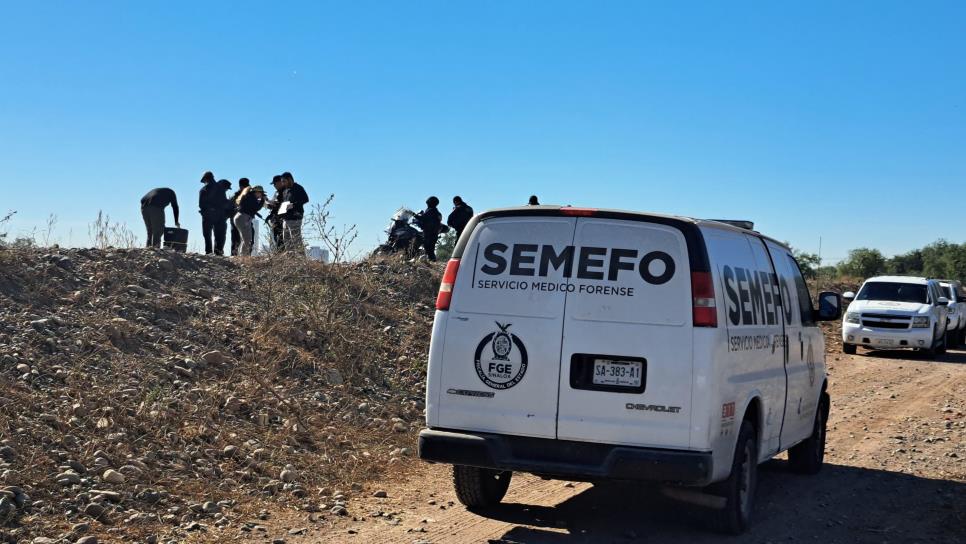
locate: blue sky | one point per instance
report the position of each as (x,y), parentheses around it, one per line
(839,120)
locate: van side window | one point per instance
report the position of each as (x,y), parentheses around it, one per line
(804,298)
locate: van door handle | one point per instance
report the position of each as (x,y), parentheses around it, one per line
(801,345)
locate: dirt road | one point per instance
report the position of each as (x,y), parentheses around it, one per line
(895,472)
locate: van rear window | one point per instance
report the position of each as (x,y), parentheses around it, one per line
(897,292)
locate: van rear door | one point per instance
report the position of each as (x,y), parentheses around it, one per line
(627,346)
(501,353)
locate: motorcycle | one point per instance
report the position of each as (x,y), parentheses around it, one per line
(404,236)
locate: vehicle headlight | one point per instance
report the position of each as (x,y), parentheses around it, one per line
(920,322)
(852,317)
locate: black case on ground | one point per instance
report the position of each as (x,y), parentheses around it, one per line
(176,239)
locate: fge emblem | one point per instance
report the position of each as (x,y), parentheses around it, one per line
(501,358)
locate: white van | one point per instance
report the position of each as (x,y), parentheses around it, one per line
(588,344)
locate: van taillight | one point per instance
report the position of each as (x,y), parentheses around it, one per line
(446,287)
(704,310)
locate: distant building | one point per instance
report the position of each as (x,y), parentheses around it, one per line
(317,253)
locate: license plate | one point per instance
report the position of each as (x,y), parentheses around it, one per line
(619,373)
(885,342)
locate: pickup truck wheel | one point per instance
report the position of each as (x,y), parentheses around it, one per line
(807,457)
(848,348)
(739,489)
(480,487)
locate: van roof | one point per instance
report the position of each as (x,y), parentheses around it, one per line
(625,214)
(900,279)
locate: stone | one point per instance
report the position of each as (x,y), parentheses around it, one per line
(287,476)
(210,507)
(215,358)
(113,477)
(94,510)
(68,478)
(380,494)
(87,540)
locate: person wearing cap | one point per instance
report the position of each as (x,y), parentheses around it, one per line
(248,203)
(273,219)
(236,238)
(291,210)
(152,210)
(460,216)
(212,204)
(430,221)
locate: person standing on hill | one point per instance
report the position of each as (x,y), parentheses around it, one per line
(533,201)
(236,238)
(460,216)
(152,210)
(291,211)
(274,221)
(212,204)
(430,221)
(248,203)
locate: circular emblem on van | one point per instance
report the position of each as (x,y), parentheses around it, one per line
(501,358)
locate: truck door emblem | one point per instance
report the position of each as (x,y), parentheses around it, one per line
(503,367)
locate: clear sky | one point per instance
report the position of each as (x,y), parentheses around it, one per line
(839,120)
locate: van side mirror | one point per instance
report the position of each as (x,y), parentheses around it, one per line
(942,301)
(829,306)
(848,295)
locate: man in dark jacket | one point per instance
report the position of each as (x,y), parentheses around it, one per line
(533,201)
(248,204)
(152,210)
(430,221)
(236,238)
(291,211)
(460,216)
(212,205)
(274,221)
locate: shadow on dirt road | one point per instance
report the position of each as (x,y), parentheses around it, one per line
(841,504)
(953,355)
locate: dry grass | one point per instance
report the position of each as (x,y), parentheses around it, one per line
(324,361)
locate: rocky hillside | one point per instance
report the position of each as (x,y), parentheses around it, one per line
(151,396)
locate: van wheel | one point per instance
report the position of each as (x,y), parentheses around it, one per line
(848,348)
(480,487)
(739,489)
(808,456)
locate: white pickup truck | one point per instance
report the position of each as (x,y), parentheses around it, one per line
(892,312)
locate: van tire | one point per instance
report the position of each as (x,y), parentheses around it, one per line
(739,489)
(480,487)
(808,456)
(848,348)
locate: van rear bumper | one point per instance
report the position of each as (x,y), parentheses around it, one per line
(565,459)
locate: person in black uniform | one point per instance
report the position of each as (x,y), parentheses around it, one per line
(273,219)
(291,211)
(430,221)
(236,238)
(460,216)
(212,205)
(152,210)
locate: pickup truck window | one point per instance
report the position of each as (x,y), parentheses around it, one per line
(898,292)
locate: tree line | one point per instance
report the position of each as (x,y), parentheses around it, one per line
(940,259)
